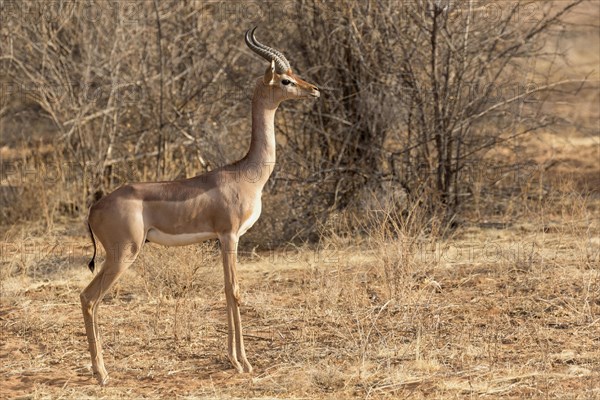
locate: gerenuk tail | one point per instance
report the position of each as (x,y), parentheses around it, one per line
(91,264)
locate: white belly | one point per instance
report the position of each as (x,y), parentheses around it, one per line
(182,239)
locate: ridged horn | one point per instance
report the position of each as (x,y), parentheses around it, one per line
(281,63)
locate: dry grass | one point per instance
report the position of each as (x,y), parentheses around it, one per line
(509,313)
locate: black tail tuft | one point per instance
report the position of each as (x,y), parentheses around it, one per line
(91,264)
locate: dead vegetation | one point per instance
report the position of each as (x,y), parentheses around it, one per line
(352,284)
(507,312)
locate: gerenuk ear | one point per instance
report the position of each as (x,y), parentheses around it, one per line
(270,74)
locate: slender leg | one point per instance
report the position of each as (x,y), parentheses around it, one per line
(236,351)
(116,263)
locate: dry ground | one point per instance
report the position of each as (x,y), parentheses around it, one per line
(505,313)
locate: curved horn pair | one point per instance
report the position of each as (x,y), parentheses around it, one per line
(281,63)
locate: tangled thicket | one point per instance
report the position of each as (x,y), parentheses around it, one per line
(415,95)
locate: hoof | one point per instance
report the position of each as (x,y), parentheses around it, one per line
(236,365)
(102,381)
(247,367)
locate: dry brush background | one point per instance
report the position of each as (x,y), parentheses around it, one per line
(431,229)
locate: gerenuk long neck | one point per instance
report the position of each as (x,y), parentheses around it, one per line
(260,159)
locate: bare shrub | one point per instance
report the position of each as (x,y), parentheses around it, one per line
(421,99)
(423,96)
(126,91)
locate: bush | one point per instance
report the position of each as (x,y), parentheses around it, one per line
(419,98)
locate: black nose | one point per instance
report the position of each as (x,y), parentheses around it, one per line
(315,88)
